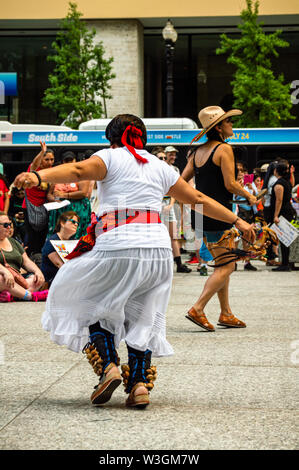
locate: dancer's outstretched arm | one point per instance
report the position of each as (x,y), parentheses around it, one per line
(91,169)
(184,193)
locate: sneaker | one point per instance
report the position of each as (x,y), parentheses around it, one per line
(249,267)
(39,296)
(202,270)
(183,269)
(193,260)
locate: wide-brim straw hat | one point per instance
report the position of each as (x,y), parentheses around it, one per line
(211,116)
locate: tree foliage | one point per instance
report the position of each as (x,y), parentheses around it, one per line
(263,97)
(79,84)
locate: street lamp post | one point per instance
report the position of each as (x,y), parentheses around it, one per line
(170,36)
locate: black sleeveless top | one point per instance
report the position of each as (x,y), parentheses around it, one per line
(287,209)
(209,180)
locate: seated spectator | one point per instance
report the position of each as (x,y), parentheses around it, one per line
(13,254)
(78,195)
(65,230)
(15,231)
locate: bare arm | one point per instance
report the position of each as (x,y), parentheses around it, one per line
(30,266)
(83,191)
(184,193)
(292,176)
(6,276)
(227,164)
(188,172)
(55,259)
(50,194)
(6,202)
(37,160)
(91,169)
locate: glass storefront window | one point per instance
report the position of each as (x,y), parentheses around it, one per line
(26,56)
(201,77)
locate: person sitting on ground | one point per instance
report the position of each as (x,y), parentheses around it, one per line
(77,193)
(12,253)
(66,229)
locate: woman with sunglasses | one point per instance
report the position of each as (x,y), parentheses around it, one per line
(12,253)
(213,166)
(119,289)
(65,229)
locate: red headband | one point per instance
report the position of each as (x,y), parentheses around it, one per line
(133,134)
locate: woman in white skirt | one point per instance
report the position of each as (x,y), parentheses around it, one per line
(120,289)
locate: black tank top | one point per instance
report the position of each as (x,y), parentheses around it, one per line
(287,209)
(209,180)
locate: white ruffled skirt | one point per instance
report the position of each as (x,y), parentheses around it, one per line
(127,291)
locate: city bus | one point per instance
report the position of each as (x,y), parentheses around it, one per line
(19,143)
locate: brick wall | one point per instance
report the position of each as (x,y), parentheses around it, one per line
(123,40)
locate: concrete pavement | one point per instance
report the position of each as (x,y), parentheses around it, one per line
(232,389)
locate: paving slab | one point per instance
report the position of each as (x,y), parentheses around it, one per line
(231,389)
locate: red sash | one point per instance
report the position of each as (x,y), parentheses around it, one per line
(109,221)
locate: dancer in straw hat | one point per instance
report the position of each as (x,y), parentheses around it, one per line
(213,166)
(119,290)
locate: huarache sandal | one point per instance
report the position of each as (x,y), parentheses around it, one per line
(199,319)
(230,321)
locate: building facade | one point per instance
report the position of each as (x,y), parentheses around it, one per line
(132,35)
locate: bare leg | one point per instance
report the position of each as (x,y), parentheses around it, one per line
(223,298)
(16,291)
(172,228)
(216,282)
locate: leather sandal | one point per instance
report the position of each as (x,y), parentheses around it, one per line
(199,319)
(138,401)
(108,383)
(230,321)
